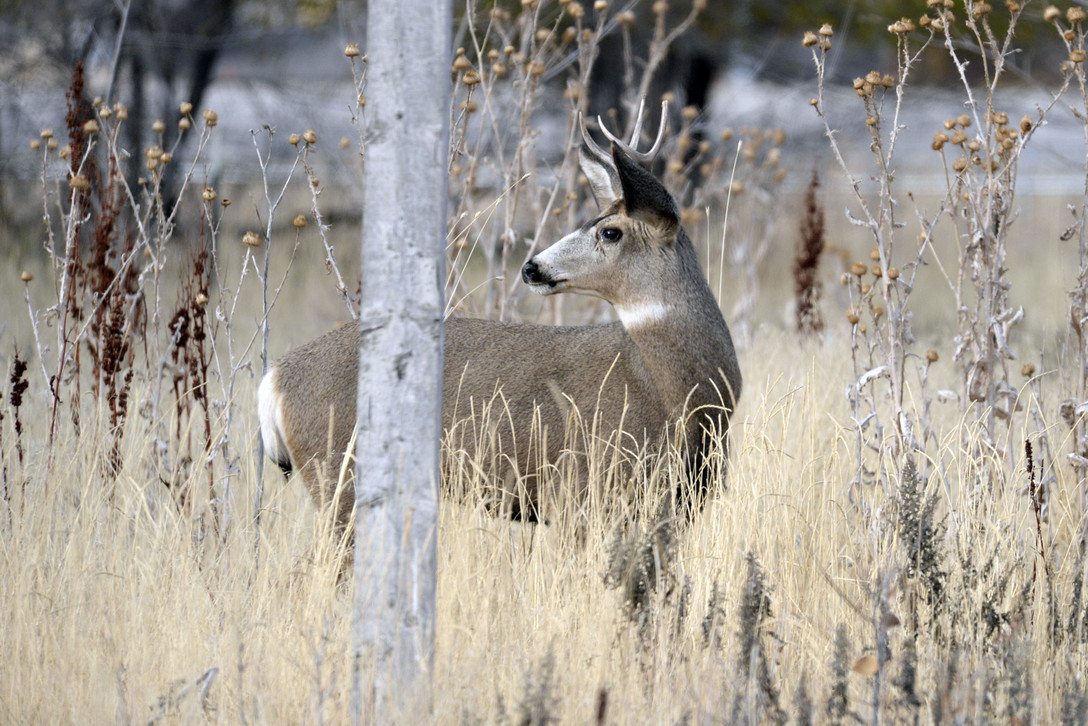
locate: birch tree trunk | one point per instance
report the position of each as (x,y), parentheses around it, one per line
(400,371)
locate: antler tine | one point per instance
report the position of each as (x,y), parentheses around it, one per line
(588,140)
(644,157)
(636,131)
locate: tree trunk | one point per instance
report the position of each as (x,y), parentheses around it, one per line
(400,371)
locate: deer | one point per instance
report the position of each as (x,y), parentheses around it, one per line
(666,370)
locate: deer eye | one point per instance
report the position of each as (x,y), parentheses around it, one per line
(610,234)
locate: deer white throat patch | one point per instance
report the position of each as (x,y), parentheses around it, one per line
(639,314)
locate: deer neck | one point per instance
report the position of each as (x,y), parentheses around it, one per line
(684,343)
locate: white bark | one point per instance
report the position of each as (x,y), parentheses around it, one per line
(400,371)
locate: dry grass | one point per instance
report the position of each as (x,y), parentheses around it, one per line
(118,606)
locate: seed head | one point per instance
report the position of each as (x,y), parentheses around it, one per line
(959,137)
(153,152)
(959,164)
(51,144)
(91,127)
(309,136)
(809,39)
(600,5)
(660,7)
(47,133)
(877,272)
(471,78)
(939,140)
(224,203)
(576,10)
(893,273)
(158,126)
(27,276)
(1028,370)
(537,69)
(1026,123)
(35,144)
(80,182)
(186,108)
(826,30)
(345,142)
(299,222)
(65,151)
(1077,55)
(963,120)
(627,17)
(208,194)
(1051,14)
(737,187)
(981,10)
(858,269)
(901,26)
(932,356)
(201,299)
(1001,118)
(351,50)
(293,139)
(852,316)
(184,123)
(1076,14)
(251,239)
(211,118)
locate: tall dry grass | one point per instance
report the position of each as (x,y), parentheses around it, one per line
(151,571)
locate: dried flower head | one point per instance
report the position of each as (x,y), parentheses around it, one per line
(299,222)
(809,39)
(91,127)
(186,108)
(1051,14)
(932,356)
(351,50)
(158,126)
(211,118)
(27,276)
(1076,14)
(251,239)
(208,194)
(1028,370)
(309,136)
(293,139)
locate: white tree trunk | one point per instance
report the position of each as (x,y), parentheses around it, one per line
(400,371)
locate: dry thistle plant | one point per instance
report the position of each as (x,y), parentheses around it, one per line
(979,153)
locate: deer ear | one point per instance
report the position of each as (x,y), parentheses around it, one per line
(602,176)
(644,197)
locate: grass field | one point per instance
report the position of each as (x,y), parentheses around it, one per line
(900,537)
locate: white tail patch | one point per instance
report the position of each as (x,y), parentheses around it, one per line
(270,417)
(639,314)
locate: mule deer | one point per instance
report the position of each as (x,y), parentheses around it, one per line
(666,369)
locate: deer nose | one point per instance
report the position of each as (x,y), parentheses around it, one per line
(530,273)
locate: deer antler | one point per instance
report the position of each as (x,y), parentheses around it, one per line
(644,157)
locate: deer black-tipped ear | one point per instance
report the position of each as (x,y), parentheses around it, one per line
(644,196)
(602,176)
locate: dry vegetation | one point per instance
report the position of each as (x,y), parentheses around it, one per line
(912,551)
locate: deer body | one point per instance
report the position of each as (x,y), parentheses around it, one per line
(667,368)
